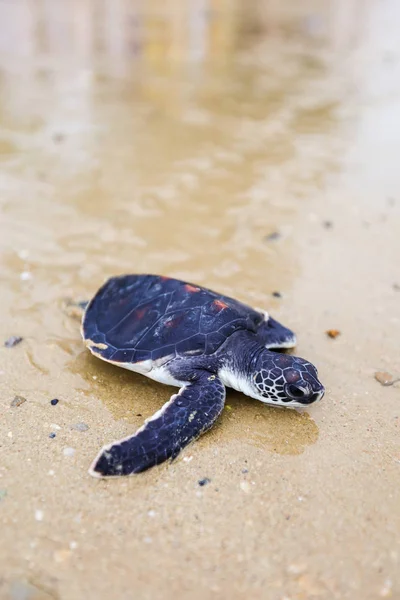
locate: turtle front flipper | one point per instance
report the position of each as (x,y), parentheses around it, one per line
(185,417)
(273,335)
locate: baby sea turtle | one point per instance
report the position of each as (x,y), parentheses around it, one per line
(185,335)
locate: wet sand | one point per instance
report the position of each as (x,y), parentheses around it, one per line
(178,147)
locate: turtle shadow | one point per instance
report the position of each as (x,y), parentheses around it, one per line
(133,398)
(279,430)
(127,395)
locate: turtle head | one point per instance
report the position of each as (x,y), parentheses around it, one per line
(285,380)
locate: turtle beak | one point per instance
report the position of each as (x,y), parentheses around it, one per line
(314,397)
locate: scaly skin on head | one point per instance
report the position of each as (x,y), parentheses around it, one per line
(281,378)
(274,378)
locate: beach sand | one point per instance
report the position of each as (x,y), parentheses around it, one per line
(251,148)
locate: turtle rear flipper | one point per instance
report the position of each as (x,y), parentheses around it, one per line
(185,417)
(273,335)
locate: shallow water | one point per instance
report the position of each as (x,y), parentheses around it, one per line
(248,147)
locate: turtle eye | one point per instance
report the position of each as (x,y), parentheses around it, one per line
(295,391)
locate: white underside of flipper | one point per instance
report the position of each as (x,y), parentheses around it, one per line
(290,343)
(108,447)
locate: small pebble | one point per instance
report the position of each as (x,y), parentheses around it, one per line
(13,341)
(333,333)
(80,427)
(52,435)
(327,224)
(69,451)
(58,138)
(396,286)
(385,378)
(272,237)
(55,426)
(3,494)
(18,400)
(204,481)
(245,471)
(277,294)
(245,486)
(25,276)
(39,514)
(54,401)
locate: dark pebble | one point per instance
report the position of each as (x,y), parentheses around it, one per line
(327,224)
(58,138)
(277,294)
(272,237)
(52,435)
(396,286)
(13,341)
(54,401)
(138,415)
(245,470)
(204,481)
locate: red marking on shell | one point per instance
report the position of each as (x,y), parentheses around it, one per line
(140,312)
(164,277)
(191,288)
(220,304)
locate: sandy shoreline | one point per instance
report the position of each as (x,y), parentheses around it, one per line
(110,166)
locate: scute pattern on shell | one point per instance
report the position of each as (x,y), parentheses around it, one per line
(142,317)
